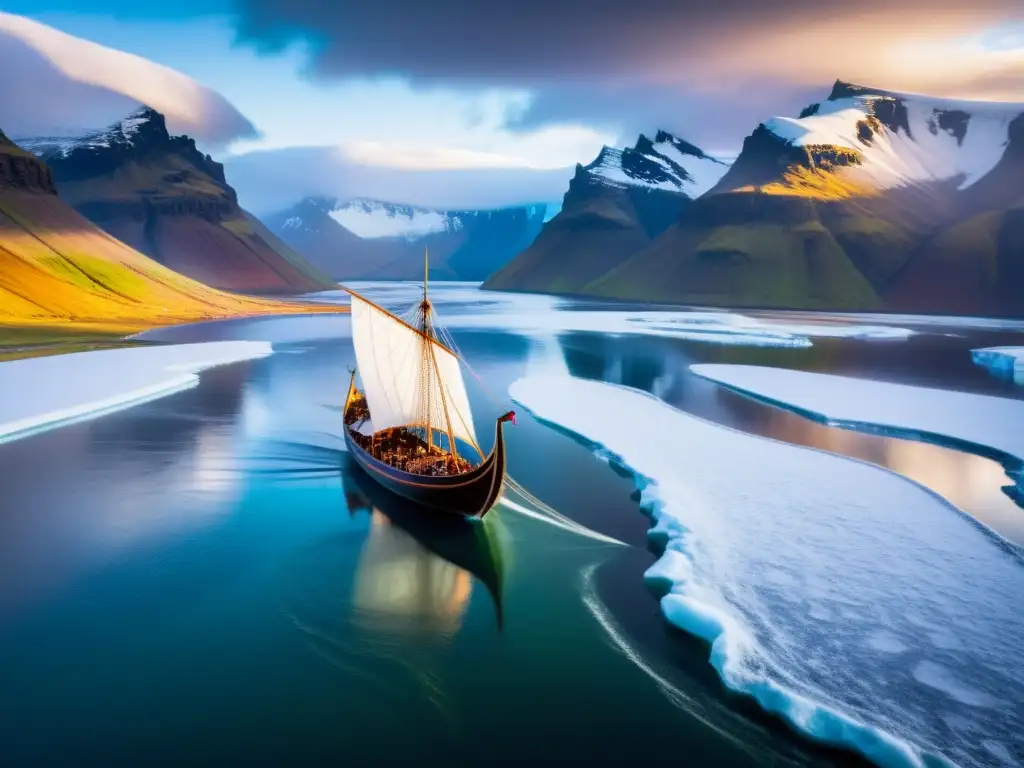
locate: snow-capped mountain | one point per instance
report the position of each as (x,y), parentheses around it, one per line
(373,218)
(122,133)
(667,163)
(365,238)
(869,199)
(162,196)
(614,207)
(870,140)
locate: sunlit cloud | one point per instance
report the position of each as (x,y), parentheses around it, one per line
(543,149)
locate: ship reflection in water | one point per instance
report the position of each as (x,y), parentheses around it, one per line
(389,597)
(400,583)
(416,568)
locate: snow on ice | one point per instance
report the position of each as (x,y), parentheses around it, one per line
(851,602)
(46,392)
(464,306)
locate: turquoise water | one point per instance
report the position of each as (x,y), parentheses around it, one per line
(204,579)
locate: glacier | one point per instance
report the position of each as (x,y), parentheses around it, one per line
(857,606)
(371,219)
(42,393)
(1004,362)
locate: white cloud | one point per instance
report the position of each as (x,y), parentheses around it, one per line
(272,180)
(51,82)
(547,148)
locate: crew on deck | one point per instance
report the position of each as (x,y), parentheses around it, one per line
(404,450)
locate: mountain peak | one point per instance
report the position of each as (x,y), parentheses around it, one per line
(667,163)
(141,129)
(140,136)
(844,90)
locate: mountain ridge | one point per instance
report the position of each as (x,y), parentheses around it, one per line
(867,200)
(59,269)
(615,206)
(161,195)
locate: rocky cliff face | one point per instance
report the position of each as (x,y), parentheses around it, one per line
(162,196)
(22,170)
(868,200)
(614,207)
(58,268)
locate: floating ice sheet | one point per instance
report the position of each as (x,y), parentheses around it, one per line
(1004,362)
(464,306)
(993,425)
(45,392)
(858,606)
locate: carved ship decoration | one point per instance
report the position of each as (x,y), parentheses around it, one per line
(411,427)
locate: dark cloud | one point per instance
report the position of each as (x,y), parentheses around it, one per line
(707,69)
(542,42)
(716,122)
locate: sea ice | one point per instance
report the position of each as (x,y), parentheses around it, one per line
(1004,362)
(989,425)
(807,572)
(45,392)
(464,306)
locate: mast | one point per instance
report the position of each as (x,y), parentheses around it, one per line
(429,370)
(425,354)
(385,346)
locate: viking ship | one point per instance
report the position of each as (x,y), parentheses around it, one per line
(410,427)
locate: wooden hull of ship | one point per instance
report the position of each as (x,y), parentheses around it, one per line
(471,494)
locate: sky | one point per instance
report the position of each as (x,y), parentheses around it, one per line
(459,103)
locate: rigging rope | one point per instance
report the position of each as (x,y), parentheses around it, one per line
(449,341)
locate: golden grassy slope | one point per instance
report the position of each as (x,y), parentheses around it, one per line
(57,268)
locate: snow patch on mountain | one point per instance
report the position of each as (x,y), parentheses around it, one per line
(667,163)
(123,132)
(923,139)
(373,219)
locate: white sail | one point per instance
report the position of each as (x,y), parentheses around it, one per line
(389,356)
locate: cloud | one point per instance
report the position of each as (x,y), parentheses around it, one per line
(716,122)
(686,64)
(273,180)
(52,82)
(537,42)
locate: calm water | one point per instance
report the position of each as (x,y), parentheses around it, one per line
(204,579)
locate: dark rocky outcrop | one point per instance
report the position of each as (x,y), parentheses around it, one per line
(164,197)
(605,220)
(22,170)
(817,226)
